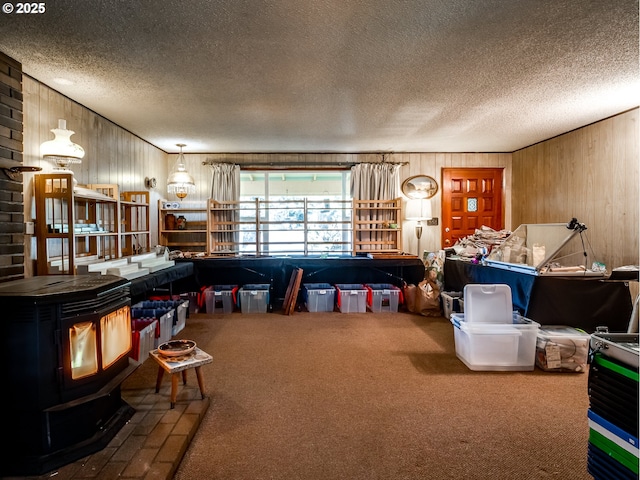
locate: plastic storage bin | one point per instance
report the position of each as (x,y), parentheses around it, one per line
(254,298)
(180,317)
(319,297)
(164,312)
(383,297)
(488,303)
(560,348)
(143,336)
(220,298)
(192,297)
(451,303)
(492,346)
(351,297)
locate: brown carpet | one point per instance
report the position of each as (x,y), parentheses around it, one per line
(372,396)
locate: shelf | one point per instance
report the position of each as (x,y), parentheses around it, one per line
(80,224)
(371,233)
(73,223)
(135,233)
(189,238)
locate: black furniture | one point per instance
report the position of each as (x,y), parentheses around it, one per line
(579,302)
(178,277)
(276,271)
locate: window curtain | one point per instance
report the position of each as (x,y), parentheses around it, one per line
(374,181)
(225,189)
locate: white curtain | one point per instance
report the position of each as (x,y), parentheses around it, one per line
(375,181)
(225,182)
(225,188)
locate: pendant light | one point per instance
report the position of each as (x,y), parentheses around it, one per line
(61,150)
(180,183)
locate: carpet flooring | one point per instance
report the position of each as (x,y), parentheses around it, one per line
(372,396)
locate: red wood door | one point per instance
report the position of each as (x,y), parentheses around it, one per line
(471,198)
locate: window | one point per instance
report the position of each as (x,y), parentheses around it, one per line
(300,213)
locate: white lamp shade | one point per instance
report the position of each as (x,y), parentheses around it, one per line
(180,177)
(418,210)
(61,146)
(180,182)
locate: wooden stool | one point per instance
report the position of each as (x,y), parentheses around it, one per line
(179,365)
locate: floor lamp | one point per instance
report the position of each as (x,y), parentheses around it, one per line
(419,211)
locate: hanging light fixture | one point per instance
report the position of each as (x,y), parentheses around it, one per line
(61,150)
(180,183)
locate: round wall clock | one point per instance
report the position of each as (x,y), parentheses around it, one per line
(419,187)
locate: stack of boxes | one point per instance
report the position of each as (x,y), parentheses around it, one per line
(318,297)
(612,452)
(489,335)
(155,322)
(352,297)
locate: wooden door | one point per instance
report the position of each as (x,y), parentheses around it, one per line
(471,198)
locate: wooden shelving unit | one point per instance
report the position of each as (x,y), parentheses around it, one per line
(233,227)
(135,234)
(192,236)
(377,226)
(74,224)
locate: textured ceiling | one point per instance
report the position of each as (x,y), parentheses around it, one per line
(336,75)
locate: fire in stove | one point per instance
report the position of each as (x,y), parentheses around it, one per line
(67,340)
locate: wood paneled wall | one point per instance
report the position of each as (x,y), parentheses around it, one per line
(11,200)
(591,174)
(112,154)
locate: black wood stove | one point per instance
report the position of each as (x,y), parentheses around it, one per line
(65,345)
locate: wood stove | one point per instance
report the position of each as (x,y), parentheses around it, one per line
(65,342)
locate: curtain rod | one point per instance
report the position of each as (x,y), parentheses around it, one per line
(301,164)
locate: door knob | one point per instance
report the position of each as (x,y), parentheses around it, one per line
(447,241)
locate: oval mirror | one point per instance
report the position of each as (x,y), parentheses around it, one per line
(419,187)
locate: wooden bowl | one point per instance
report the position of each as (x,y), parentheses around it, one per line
(176,348)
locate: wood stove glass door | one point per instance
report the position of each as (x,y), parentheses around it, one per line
(84,349)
